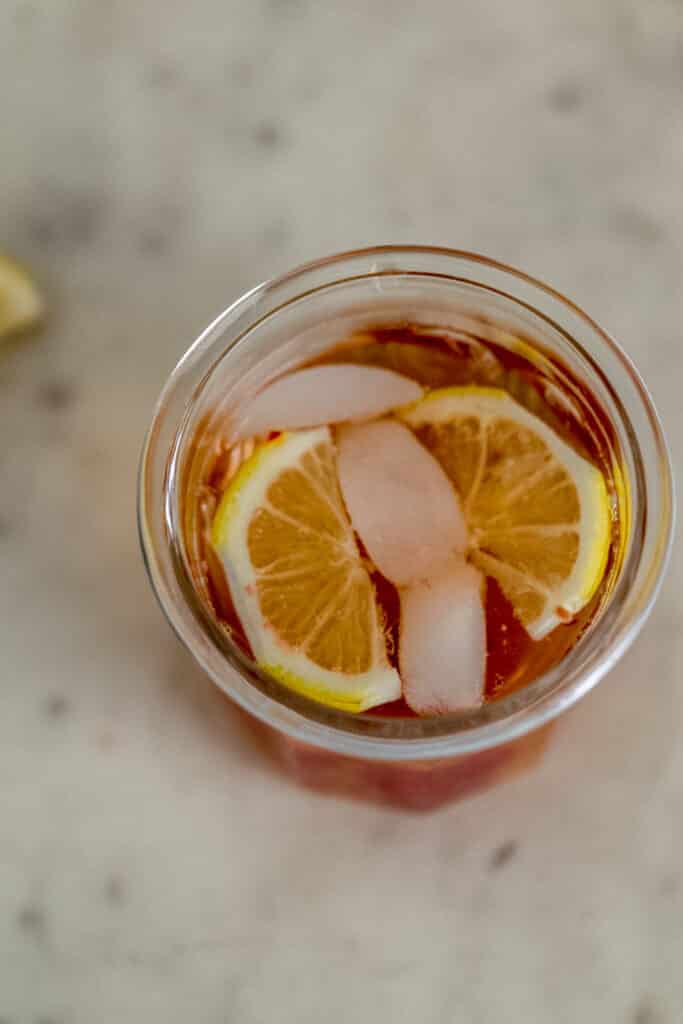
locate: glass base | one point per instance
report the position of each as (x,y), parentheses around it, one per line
(411,785)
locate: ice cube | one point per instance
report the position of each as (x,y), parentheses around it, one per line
(442,642)
(325,394)
(401,503)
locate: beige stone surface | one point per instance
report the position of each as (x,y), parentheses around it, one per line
(156,159)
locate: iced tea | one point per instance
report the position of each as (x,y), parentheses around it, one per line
(435,360)
(405,506)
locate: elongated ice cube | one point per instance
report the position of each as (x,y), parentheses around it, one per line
(442,642)
(325,394)
(401,503)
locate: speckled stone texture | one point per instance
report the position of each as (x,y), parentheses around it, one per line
(156,159)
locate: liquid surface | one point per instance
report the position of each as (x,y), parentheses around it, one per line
(435,360)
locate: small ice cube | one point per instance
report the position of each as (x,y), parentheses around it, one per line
(325,394)
(401,503)
(442,642)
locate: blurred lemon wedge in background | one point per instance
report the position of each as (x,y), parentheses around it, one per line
(298,581)
(20,304)
(537,512)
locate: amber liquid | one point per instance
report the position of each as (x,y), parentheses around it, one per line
(435,359)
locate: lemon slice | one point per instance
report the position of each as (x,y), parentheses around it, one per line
(537,512)
(300,588)
(20,304)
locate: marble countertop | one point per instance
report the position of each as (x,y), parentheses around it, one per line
(158,159)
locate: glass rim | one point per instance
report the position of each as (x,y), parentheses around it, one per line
(370,736)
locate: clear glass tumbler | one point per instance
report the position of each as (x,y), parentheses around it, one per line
(416,763)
